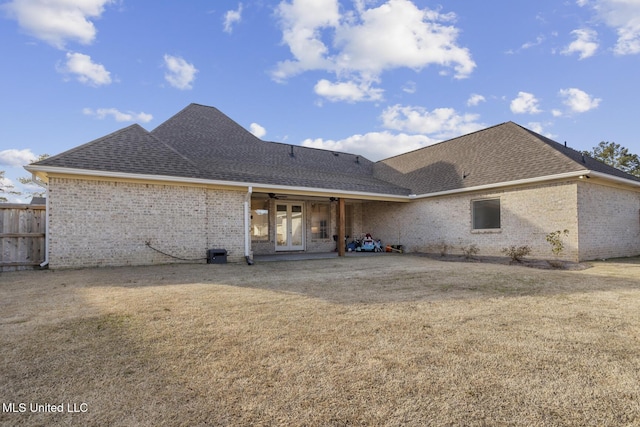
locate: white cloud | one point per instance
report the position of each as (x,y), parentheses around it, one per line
(418,128)
(119,116)
(409,87)
(441,123)
(58,21)
(85,70)
(17,158)
(525,103)
(578,101)
(539,127)
(347,91)
(539,40)
(359,45)
(6,184)
(232,17)
(257,130)
(180,73)
(585,43)
(624,17)
(373,145)
(475,99)
(536,127)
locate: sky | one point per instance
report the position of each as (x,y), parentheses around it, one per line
(372,77)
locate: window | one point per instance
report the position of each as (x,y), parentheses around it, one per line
(348,221)
(259,220)
(486,214)
(320,221)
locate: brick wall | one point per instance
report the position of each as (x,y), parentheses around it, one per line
(105,223)
(528,214)
(609,220)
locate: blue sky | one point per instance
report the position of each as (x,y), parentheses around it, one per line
(375,77)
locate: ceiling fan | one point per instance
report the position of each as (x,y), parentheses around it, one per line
(275,196)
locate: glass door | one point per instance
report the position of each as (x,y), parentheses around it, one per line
(289,227)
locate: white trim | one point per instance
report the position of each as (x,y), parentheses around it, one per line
(46,231)
(257,187)
(310,191)
(614,178)
(247,223)
(289,215)
(504,184)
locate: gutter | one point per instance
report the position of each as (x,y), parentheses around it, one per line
(257,187)
(576,174)
(614,178)
(47,231)
(247,226)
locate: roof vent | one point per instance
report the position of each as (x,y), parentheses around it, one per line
(291,152)
(357,159)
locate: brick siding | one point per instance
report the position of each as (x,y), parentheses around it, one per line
(609,220)
(527,216)
(106,223)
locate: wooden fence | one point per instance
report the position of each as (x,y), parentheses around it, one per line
(22,236)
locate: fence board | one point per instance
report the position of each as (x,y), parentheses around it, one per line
(22,236)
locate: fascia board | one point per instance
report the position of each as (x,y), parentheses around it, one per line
(257,187)
(536,180)
(616,179)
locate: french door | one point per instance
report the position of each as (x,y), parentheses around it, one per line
(289,226)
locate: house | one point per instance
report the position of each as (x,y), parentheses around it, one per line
(200,181)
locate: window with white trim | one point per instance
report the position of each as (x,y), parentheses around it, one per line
(485,214)
(320,215)
(259,220)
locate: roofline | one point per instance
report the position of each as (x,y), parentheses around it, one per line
(575,174)
(312,191)
(614,178)
(445,141)
(257,187)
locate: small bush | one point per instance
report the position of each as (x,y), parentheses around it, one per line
(444,248)
(516,253)
(555,240)
(470,251)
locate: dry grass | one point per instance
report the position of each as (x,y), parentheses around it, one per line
(389,340)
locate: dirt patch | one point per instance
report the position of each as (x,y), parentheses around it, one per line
(398,340)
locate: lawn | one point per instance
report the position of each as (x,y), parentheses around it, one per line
(382,340)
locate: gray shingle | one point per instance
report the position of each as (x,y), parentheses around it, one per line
(502,153)
(202,142)
(132,150)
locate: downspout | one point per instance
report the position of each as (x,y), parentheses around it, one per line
(247,227)
(46,229)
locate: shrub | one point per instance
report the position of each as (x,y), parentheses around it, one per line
(555,240)
(444,248)
(516,253)
(470,251)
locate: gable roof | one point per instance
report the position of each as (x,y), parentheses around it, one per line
(202,143)
(500,154)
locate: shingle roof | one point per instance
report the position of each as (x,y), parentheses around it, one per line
(201,142)
(502,153)
(130,150)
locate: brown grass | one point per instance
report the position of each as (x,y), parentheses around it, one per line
(386,340)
